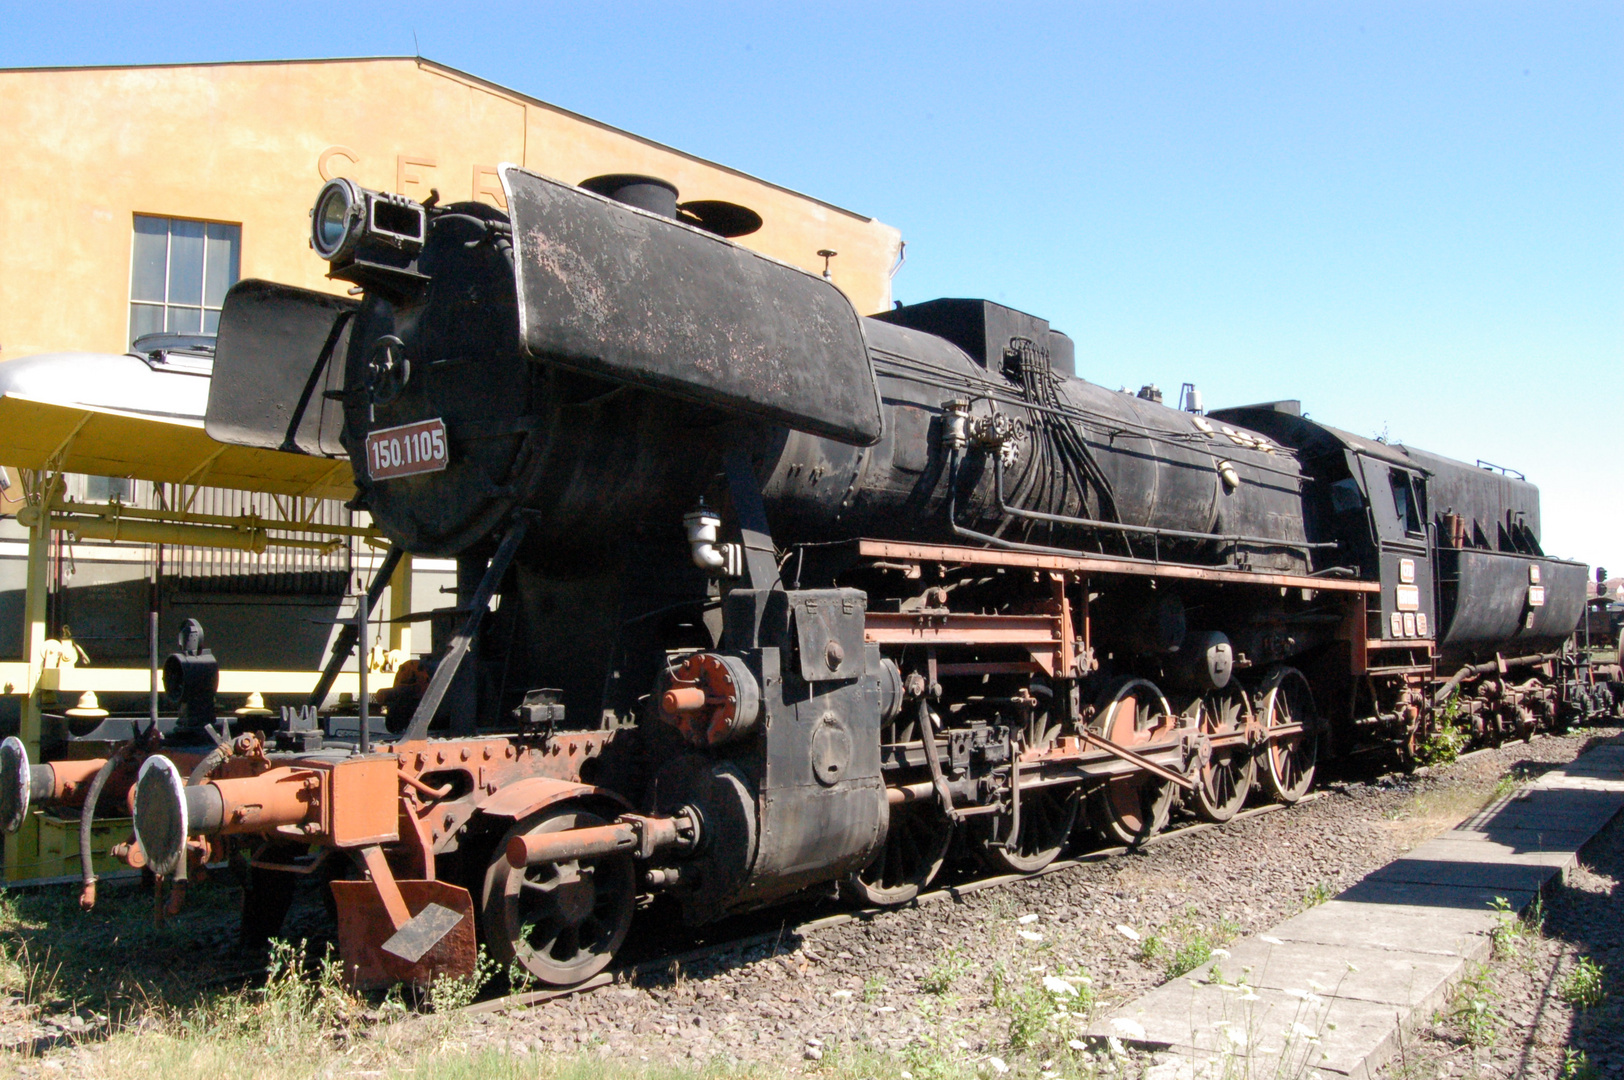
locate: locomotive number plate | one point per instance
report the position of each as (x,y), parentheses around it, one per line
(406,450)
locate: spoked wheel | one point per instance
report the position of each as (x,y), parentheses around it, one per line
(561,921)
(916,843)
(1228,776)
(1048,814)
(1131,809)
(1047,817)
(1289,760)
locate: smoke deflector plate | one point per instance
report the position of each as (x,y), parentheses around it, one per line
(631,296)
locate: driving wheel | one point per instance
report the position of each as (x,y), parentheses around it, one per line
(1131,809)
(1228,775)
(1286,700)
(1047,814)
(1047,817)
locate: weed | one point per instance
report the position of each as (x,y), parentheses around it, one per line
(1514,934)
(1583,986)
(447,994)
(1318,895)
(32,981)
(1508,931)
(1043,1010)
(947,971)
(873,987)
(1534,915)
(1508,782)
(519,979)
(1029,1014)
(1188,956)
(999,984)
(1447,736)
(1185,943)
(1473,1008)
(1576,1065)
(928,1059)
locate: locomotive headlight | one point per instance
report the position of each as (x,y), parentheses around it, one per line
(347,216)
(338,219)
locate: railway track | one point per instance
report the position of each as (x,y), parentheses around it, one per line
(948,980)
(798,930)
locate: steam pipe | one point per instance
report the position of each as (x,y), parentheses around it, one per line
(1143,530)
(1485,668)
(534,849)
(118,511)
(87,821)
(642,837)
(702,526)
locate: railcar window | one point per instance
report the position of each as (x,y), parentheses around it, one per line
(179,273)
(1406,502)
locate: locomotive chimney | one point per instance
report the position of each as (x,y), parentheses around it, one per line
(660,197)
(644,192)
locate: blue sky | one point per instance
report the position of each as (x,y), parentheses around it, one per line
(1410,216)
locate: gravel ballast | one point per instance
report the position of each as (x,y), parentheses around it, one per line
(980,976)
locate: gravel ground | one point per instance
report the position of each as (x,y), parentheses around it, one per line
(984,975)
(1536,1020)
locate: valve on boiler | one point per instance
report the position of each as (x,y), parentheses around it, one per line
(720,560)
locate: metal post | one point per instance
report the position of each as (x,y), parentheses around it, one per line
(346,634)
(152,657)
(22,847)
(34,626)
(364,743)
(440,681)
(400,606)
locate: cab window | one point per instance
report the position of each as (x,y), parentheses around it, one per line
(1408,494)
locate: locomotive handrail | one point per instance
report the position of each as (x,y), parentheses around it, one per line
(344,643)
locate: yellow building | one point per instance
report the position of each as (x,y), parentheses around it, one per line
(110,170)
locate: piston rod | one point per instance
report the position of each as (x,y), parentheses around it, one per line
(641,837)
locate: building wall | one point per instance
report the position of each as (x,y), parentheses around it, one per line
(84,150)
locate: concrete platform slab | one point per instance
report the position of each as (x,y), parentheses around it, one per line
(1444,931)
(1386,976)
(1262,1031)
(1479,848)
(1393,897)
(1591,779)
(1386,950)
(1560,808)
(1496,876)
(1527,839)
(1485,848)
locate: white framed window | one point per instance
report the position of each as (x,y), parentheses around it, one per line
(179,273)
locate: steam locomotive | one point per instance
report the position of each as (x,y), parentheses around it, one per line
(756,594)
